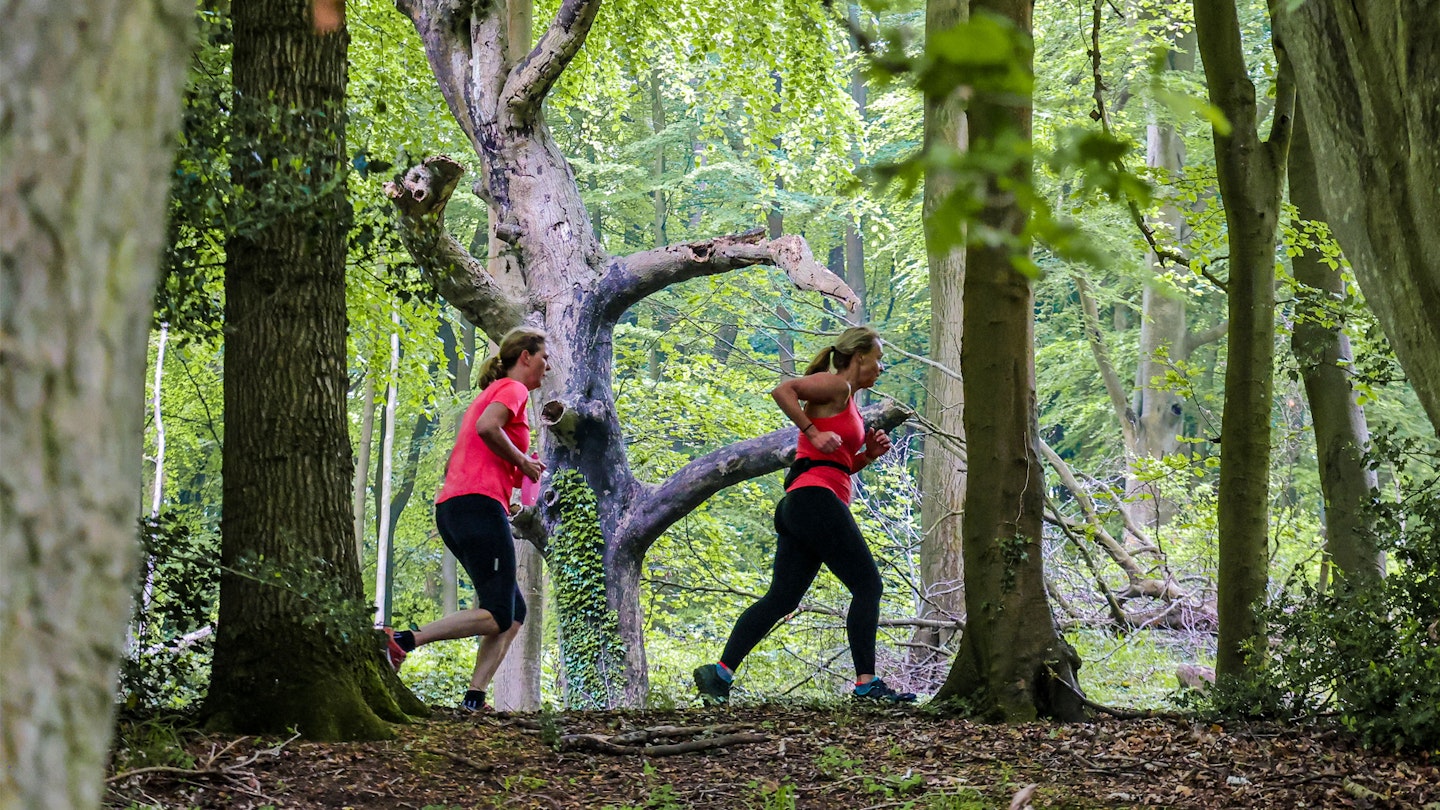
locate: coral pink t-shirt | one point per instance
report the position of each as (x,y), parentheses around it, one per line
(851,428)
(473,467)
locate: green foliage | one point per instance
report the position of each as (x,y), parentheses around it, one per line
(156,740)
(1368,657)
(433,672)
(590,644)
(782,796)
(167,666)
(1136,669)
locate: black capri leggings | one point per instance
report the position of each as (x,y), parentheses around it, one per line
(814,528)
(476,529)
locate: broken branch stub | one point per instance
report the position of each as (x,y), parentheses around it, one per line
(792,254)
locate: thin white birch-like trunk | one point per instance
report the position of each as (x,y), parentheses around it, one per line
(157,489)
(384,553)
(362,465)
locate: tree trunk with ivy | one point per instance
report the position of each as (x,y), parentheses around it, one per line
(294,648)
(1251,175)
(1322,350)
(547,268)
(84,167)
(1011,663)
(1369,76)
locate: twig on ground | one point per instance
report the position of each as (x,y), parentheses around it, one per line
(482,768)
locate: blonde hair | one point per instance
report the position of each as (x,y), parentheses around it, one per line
(517,340)
(853,341)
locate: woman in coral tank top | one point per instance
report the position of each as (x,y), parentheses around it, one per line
(813,520)
(472,509)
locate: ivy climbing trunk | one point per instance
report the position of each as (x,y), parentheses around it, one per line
(546,267)
(1322,350)
(942,472)
(1251,175)
(1011,660)
(294,648)
(89,104)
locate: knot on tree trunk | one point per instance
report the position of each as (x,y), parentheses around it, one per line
(563,422)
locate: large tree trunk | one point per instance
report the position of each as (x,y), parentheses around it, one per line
(1322,350)
(547,267)
(942,472)
(1251,176)
(1369,75)
(1157,409)
(84,166)
(854,223)
(293,647)
(1011,658)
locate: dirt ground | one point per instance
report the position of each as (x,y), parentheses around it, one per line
(776,756)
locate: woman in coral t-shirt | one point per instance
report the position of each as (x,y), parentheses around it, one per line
(472,509)
(813,520)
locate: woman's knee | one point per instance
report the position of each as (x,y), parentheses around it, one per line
(868,590)
(503,622)
(783,603)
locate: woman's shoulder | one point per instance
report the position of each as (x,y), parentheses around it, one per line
(825,387)
(502,386)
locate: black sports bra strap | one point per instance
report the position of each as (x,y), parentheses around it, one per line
(801,465)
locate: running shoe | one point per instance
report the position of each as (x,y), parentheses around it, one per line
(712,687)
(394,653)
(879,691)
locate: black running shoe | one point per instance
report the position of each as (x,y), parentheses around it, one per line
(474,701)
(880,692)
(713,688)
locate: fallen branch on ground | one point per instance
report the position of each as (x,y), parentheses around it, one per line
(628,742)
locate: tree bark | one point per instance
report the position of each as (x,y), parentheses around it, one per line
(942,471)
(85,160)
(854,223)
(1369,74)
(1011,659)
(1322,350)
(1251,175)
(546,267)
(293,647)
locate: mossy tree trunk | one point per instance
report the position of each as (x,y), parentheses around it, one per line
(1251,178)
(294,648)
(547,267)
(89,105)
(1326,363)
(1368,74)
(1012,664)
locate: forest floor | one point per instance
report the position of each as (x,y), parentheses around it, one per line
(780,756)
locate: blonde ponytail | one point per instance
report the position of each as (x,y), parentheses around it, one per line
(853,341)
(516,341)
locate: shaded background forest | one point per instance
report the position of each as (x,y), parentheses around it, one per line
(676,134)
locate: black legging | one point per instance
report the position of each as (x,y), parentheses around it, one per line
(476,529)
(814,528)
